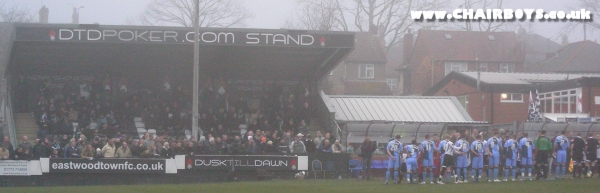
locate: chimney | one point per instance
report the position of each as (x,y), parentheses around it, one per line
(44,14)
(564,40)
(75,16)
(381,34)
(408,46)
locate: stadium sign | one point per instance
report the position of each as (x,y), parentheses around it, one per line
(185,35)
(246,162)
(14,168)
(144,166)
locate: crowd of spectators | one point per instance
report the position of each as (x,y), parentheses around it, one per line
(102,112)
(163,146)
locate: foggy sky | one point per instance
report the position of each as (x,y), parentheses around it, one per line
(267,13)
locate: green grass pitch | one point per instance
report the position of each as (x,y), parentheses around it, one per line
(329,186)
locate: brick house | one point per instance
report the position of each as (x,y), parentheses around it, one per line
(436,53)
(577,57)
(363,71)
(504,97)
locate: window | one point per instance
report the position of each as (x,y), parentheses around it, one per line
(564,101)
(507,67)
(464,101)
(392,83)
(366,71)
(491,37)
(483,67)
(455,66)
(448,36)
(331,73)
(511,97)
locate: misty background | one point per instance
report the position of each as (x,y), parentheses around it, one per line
(273,14)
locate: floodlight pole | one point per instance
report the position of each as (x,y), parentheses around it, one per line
(195,115)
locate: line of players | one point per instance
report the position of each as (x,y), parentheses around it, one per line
(481,154)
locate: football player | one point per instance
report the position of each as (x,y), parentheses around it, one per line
(510,166)
(477,163)
(394,149)
(412,152)
(462,161)
(440,149)
(577,154)
(427,148)
(526,147)
(493,147)
(592,148)
(561,144)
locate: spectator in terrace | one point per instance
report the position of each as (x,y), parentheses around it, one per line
(166,151)
(337,147)
(71,151)
(270,149)
(149,141)
(65,127)
(6,143)
(221,146)
(252,148)
(220,130)
(109,150)
(212,146)
(304,114)
(25,143)
(96,144)
(192,150)
(18,153)
(297,146)
(42,149)
(64,142)
(26,155)
(249,136)
(4,153)
(55,154)
(137,148)
(325,147)
(123,151)
(329,137)
(275,139)
(311,147)
(287,140)
(81,145)
(178,149)
(150,153)
(319,139)
(73,115)
(302,127)
(236,148)
(88,153)
(349,148)
(289,126)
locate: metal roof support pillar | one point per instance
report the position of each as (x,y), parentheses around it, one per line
(589,128)
(417,132)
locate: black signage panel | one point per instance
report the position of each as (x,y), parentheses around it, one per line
(246,162)
(142,166)
(250,37)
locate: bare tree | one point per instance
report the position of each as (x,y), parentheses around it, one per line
(15,13)
(388,18)
(213,13)
(594,7)
(324,15)
(482,25)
